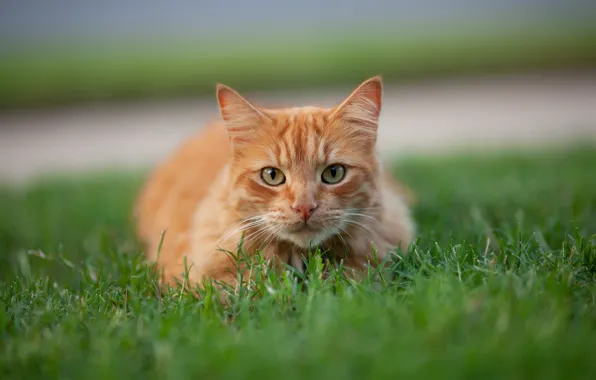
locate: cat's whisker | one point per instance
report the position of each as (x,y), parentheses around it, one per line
(359,225)
(361,215)
(253,218)
(236,232)
(255,235)
(235,228)
(334,223)
(261,237)
(343,241)
(362,208)
(274,233)
(342,229)
(260,226)
(254,221)
(239,222)
(233,232)
(366,210)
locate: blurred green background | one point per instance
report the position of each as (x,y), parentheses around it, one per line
(67,51)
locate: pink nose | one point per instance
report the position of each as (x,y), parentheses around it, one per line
(305,210)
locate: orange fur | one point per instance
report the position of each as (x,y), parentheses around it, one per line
(211,192)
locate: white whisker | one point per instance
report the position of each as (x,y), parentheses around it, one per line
(358,225)
(343,241)
(273,234)
(254,236)
(242,226)
(361,215)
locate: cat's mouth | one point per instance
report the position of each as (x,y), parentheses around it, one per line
(305,229)
(306,234)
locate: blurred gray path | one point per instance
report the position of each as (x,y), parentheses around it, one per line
(439,115)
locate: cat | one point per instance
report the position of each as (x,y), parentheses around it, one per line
(281,180)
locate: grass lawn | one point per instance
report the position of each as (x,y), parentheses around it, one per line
(501,284)
(70,71)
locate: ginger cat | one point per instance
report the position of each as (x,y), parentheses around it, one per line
(285,180)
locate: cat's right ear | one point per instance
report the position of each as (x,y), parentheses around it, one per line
(240,116)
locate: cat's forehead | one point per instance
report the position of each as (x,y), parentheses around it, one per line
(296,110)
(297,122)
(302,135)
(299,116)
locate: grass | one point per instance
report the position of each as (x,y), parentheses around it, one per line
(501,284)
(66,72)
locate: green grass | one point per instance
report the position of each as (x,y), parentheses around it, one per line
(86,71)
(501,284)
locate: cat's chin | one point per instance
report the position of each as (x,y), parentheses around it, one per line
(307,237)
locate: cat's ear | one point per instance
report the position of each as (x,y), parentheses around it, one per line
(240,116)
(363,107)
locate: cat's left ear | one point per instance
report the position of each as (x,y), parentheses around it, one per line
(363,107)
(240,116)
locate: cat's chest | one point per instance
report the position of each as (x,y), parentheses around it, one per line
(300,258)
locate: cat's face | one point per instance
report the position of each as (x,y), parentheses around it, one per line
(304,174)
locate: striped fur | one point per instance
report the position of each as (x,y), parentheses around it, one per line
(209,193)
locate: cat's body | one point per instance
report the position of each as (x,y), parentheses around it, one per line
(285,180)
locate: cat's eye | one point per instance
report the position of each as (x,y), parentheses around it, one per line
(333,174)
(273,176)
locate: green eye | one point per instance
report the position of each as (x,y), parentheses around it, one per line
(273,176)
(333,174)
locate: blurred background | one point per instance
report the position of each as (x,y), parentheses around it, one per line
(87,84)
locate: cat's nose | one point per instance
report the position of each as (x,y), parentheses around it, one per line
(305,210)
